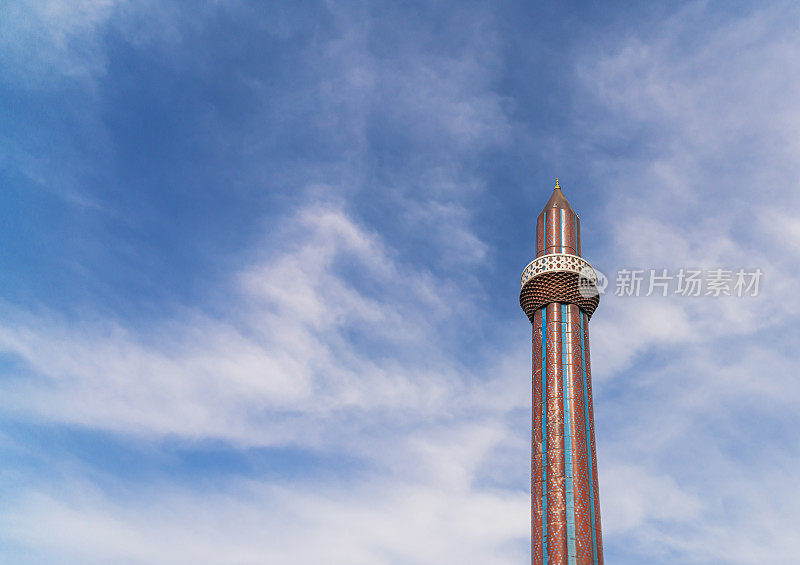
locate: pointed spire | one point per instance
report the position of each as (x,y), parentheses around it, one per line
(558,200)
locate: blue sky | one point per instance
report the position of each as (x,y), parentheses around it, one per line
(260,267)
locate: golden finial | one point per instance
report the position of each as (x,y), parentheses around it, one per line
(556,184)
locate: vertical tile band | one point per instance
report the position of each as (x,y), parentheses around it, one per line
(580,475)
(537,451)
(590,444)
(543,412)
(544,436)
(566,369)
(540,231)
(593,477)
(556,497)
(552,231)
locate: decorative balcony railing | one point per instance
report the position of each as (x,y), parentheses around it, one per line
(558,262)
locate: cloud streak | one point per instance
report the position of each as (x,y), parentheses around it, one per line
(345,170)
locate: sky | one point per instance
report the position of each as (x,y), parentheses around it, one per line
(259,276)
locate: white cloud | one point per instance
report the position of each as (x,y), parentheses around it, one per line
(379,522)
(285,348)
(291,365)
(705,192)
(633,495)
(331,341)
(694,395)
(47,40)
(328,341)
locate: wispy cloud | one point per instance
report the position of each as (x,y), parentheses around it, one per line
(327,345)
(382,521)
(299,336)
(690,386)
(341,162)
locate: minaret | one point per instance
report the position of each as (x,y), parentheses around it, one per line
(559,296)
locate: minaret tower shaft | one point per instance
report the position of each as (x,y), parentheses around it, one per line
(559,296)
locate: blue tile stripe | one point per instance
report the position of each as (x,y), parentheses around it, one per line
(588,444)
(575,231)
(544,233)
(544,414)
(544,435)
(572,556)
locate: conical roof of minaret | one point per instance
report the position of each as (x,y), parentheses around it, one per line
(558,200)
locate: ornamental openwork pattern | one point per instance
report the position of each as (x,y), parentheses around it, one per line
(558,262)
